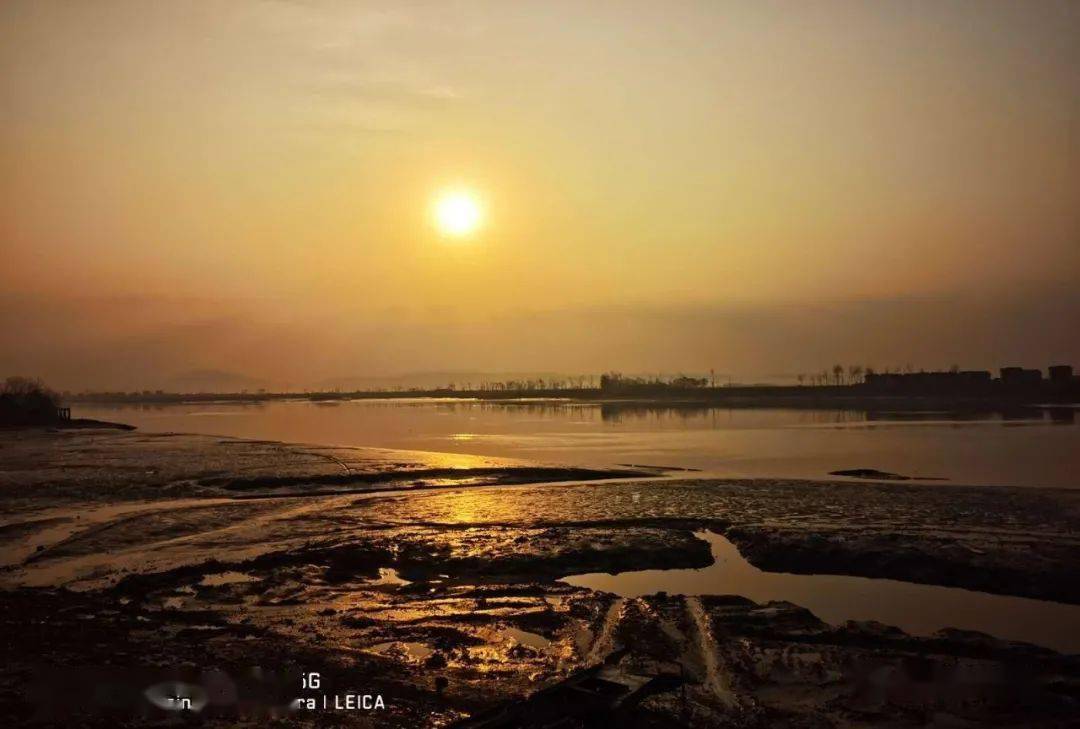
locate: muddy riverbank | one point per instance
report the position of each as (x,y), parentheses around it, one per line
(433,581)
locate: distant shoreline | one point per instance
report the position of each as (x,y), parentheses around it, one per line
(855,397)
(73,424)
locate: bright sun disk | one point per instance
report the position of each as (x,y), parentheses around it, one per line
(457,213)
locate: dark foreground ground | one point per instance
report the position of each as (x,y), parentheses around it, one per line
(431,580)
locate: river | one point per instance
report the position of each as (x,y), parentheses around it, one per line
(1031,447)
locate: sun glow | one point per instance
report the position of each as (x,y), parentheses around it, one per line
(457,213)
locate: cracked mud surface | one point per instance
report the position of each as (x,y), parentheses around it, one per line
(149,550)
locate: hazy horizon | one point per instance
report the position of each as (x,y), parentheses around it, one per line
(755,188)
(140,346)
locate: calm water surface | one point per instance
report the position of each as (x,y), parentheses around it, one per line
(1032,447)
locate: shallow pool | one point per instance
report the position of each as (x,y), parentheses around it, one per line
(916,609)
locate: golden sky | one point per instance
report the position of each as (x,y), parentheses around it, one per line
(752,186)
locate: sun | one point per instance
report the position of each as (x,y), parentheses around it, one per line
(458,213)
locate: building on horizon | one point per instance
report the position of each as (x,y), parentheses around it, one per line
(1018,376)
(1060,373)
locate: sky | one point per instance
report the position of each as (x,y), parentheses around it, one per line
(760,188)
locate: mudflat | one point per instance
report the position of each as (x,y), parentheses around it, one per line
(433,580)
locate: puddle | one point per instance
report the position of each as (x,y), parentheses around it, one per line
(389,576)
(532,640)
(415,651)
(916,609)
(227,578)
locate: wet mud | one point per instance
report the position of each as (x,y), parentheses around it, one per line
(874,474)
(140,550)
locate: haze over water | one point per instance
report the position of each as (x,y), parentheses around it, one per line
(1034,447)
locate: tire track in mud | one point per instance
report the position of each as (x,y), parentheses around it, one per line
(64,525)
(604,643)
(63,570)
(330,457)
(715,677)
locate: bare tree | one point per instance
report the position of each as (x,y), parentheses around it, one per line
(26,400)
